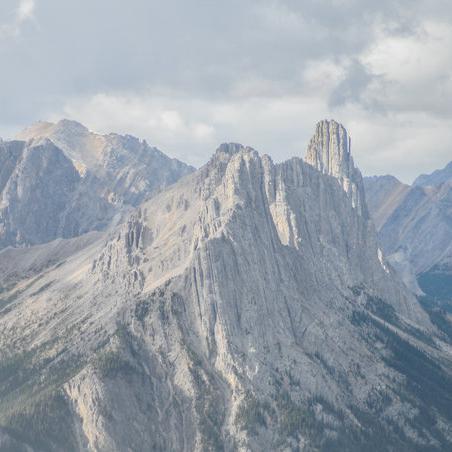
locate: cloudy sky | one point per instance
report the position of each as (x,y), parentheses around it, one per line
(190,74)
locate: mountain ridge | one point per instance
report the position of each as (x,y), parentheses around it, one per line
(245,307)
(103,176)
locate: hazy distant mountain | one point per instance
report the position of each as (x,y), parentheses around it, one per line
(245,307)
(64,181)
(435,179)
(415,224)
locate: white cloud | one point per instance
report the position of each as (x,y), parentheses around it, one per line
(261,73)
(173,125)
(23,13)
(416,69)
(25,10)
(191,129)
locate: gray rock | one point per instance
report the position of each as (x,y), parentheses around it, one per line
(128,169)
(245,307)
(416,219)
(65,181)
(435,179)
(329,152)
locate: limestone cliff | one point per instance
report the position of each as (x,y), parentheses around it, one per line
(329,152)
(245,307)
(64,181)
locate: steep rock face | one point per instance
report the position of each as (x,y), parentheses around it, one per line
(329,152)
(243,308)
(43,195)
(65,181)
(129,169)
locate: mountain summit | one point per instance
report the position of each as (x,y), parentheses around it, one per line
(61,180)
(245,307)
(329,152)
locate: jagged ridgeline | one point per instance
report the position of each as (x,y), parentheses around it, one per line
(245,307)
(61,180)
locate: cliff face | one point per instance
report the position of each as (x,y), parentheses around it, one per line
(127,168)
(43,196)
(329,152)
(65,181)
(246,307)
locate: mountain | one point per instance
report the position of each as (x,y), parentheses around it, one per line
(435,179)
(128,168)
(63,181)
(43,196)
(245,307)
(383,195)
(329,152)
(415,228)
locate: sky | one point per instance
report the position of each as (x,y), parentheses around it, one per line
(187,75)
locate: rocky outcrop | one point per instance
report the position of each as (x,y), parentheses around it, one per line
(65,181)
(329,152)
(43,196)
(127,168)
(245,307)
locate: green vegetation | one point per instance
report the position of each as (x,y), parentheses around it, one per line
(209,405)
(294,420)
(142,309)
(387,314)
(253,414)
(437,284)
(110,364)
(13,295)
(44,423)
(440,317)
(42,288)
(425,385)
(381,309)
(32,406)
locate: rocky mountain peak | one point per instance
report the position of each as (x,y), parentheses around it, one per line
(71,125)
(235,302)
(436,178)
(329,149)
(329,152)
(230,148)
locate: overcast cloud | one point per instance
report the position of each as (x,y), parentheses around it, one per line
(188,75)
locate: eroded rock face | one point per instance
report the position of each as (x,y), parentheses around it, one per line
(43,196)
(329,152)
(65,181)
(245,307)
(128,168)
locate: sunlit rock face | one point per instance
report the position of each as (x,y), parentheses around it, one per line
(64,181)
(245,307)
(329,152)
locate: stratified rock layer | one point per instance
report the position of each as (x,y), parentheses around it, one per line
(246,307)
(65,181)
(329,152)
